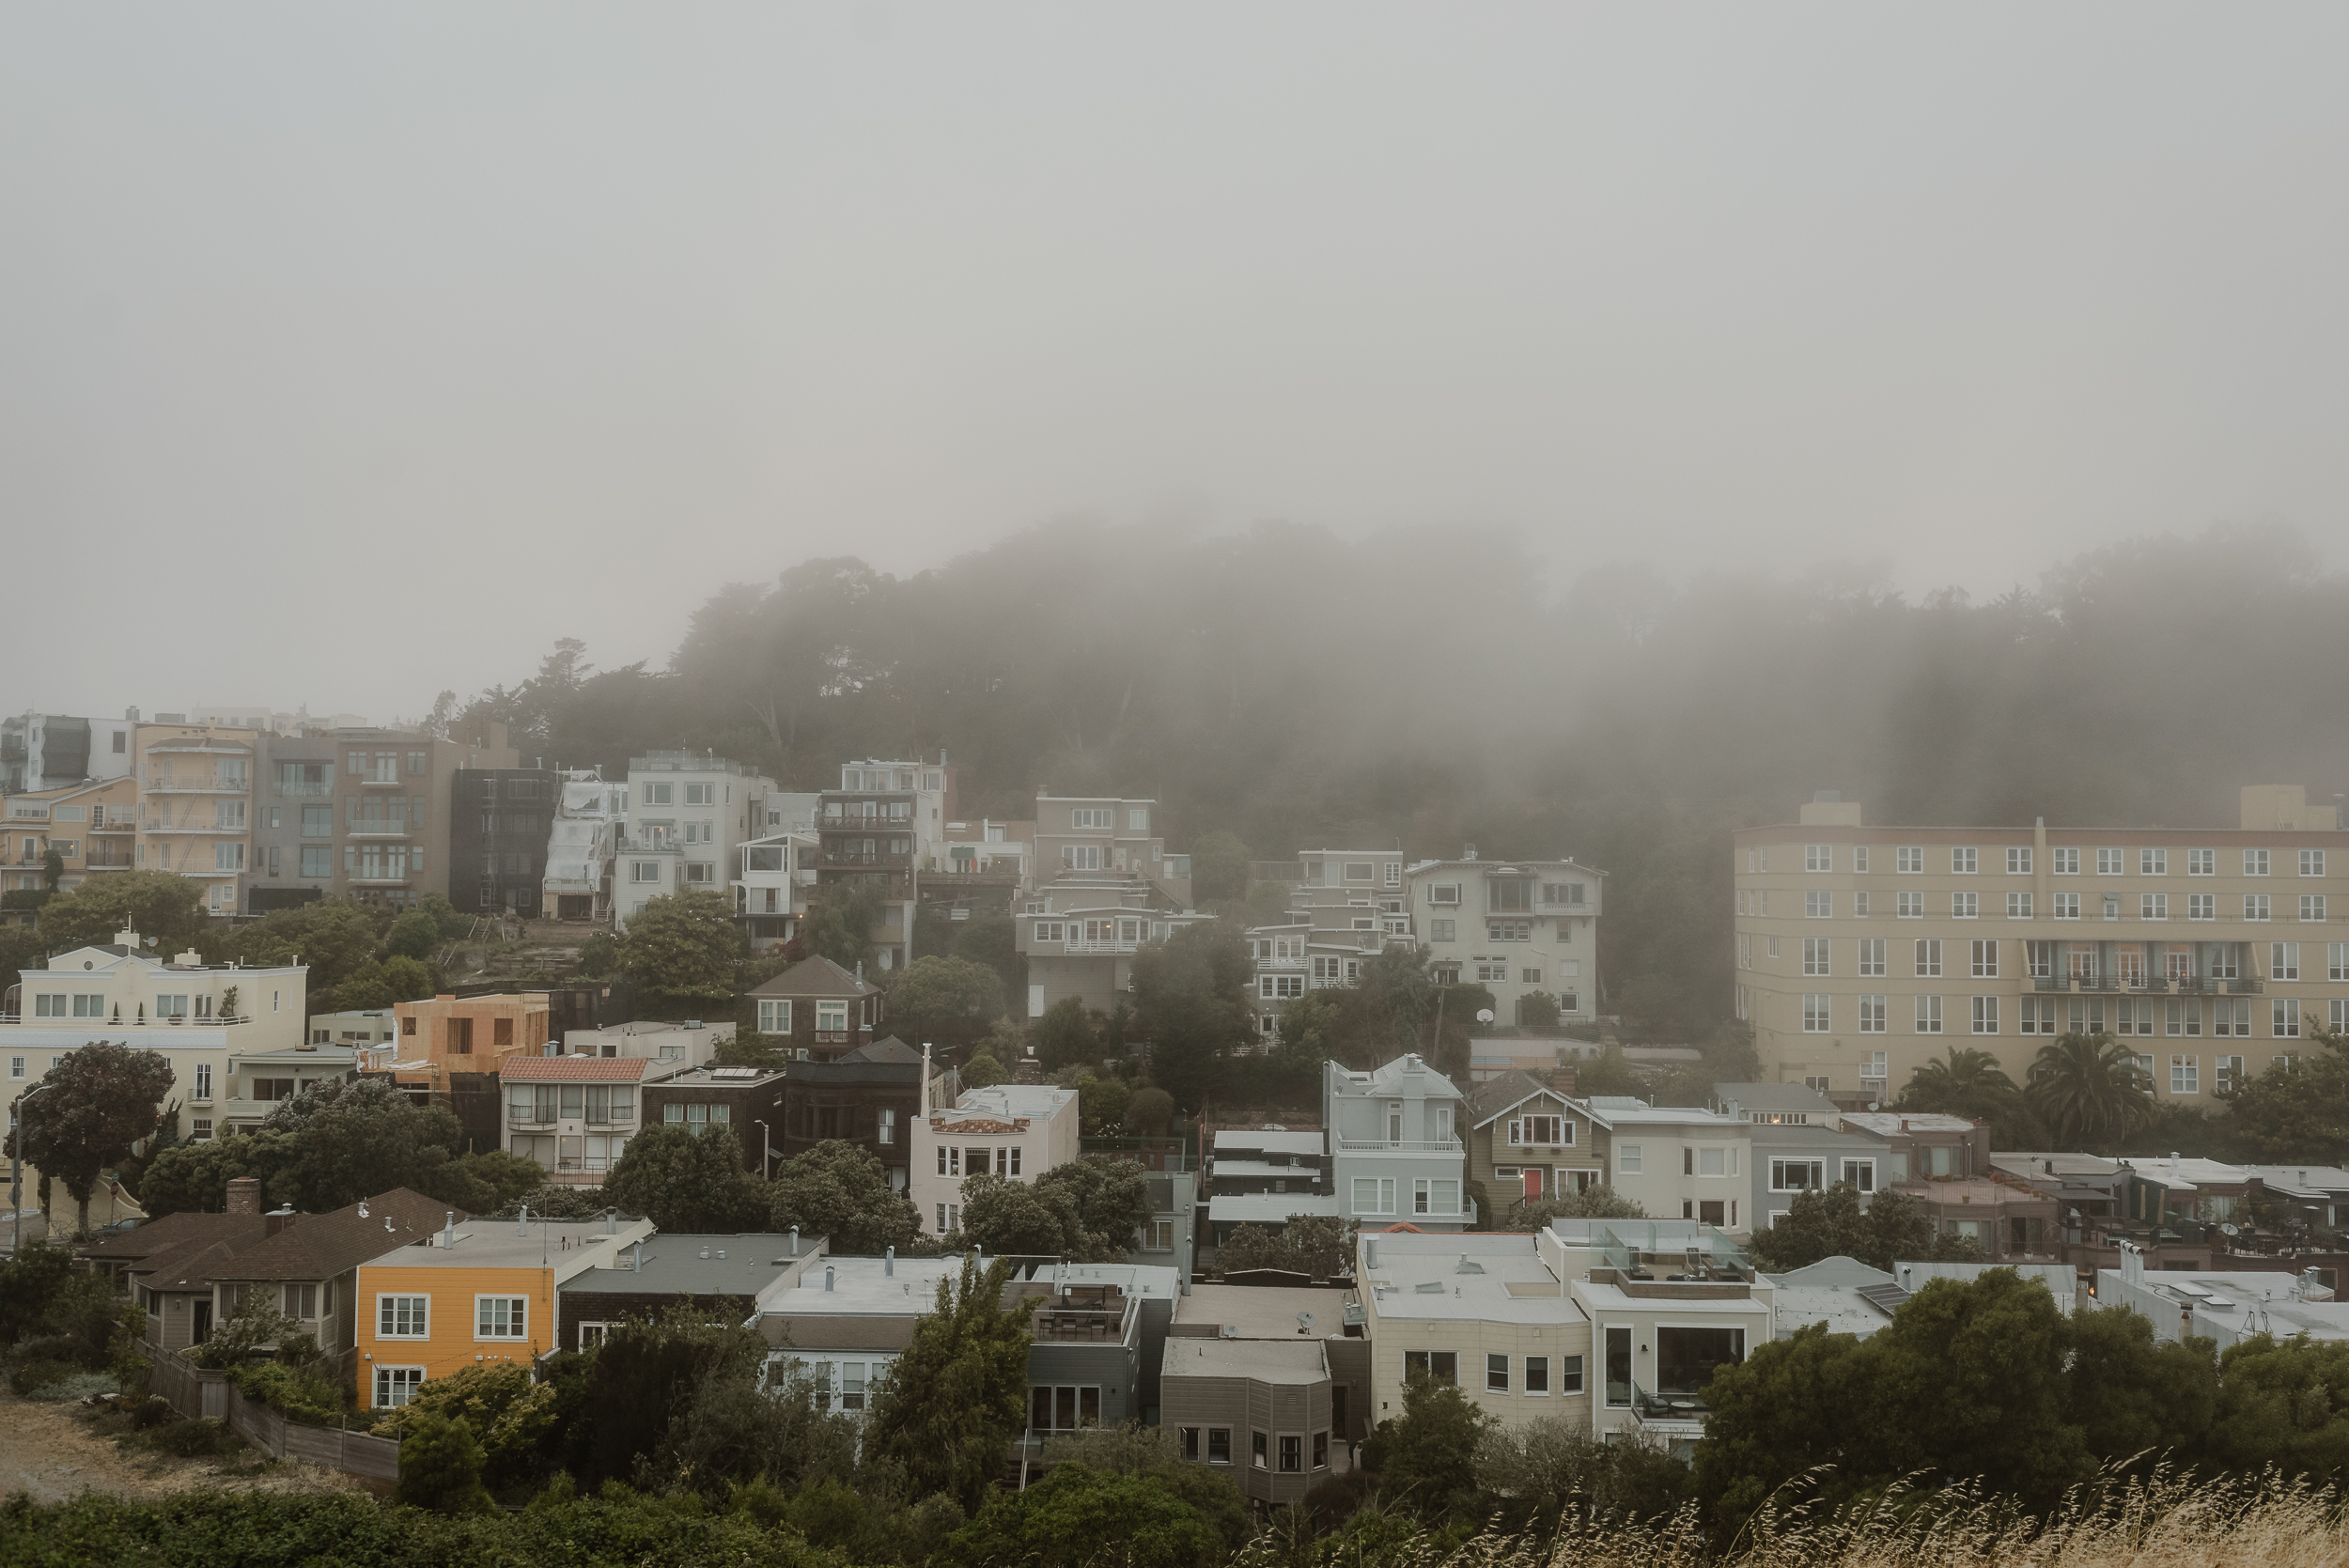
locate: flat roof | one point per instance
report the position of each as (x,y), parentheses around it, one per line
(861,1289)
(1270,1143)
(1264,1311)
(674,1264)
(1269,1209)
(1262,1361)
(2301,1178)
(1843,1310)
(1230,1165)
(1464,1278)
(502,1244)
(1614,1299)
(1887,1123)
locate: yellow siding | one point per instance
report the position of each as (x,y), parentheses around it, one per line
(450,1344)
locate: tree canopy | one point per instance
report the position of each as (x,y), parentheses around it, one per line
(166,909)
(947,1002)
(687,1179)
(841,1190)
(1191,1004)
(2089,1091)
(87,1112)
(950,1406)
(1830,1223)
(685,945)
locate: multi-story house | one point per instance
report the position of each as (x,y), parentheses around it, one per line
(51,751)
(1265,1177)
(1277,1371)
(869,1097)
(196,806)
(1080,934)
(1530,1140)
(1396,1150)
(881,830)
(979,868)
(780,875)
(815,1011)
(746,1101)
(500,821)
(478,1293)
(1015,1130)
(689,814)
(590,819)
(1516,928)
(366,813)
(573,1114)
(1862,952)
(1677,1161)
(90,827)
(1345,906)
(197,1017)
(1091,835)
(1944,1163)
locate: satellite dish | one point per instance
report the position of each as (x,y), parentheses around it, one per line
(1484,1015)
(2229,1230)
(1304,1323)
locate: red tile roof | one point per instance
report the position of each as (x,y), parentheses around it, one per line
(618,1069)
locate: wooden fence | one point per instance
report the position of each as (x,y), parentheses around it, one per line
(195,1391)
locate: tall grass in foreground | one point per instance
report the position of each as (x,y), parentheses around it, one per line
(2167,1521)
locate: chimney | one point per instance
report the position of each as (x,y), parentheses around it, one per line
(889,1264)
(828,1272)
(1562,1080)
(795,1241)
(522,1226)
(636,1258)
(244,1195)
(279,1219)
(449,1228)
(1370,1252)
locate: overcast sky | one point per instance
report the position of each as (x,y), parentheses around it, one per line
(352,352)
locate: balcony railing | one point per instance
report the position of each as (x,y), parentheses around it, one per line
(1100,947)
(380,878)
(377,778)
(305,789)
(1669,1405)
(189,825)
(128,1020)
(1399,1145)
(106,863)
(194,783)
(846,857)
(376,828)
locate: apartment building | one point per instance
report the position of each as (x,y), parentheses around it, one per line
(747,1102)
(573,1114)
(50,751)
(1014,1130)
(199,1018)
(1087,835)
(1862,952)
(882,830)
(500,822)
(1344,908)
(196,806)
(366,813)
(688,814)
(1394,1144)
(92,828)
(1515,928)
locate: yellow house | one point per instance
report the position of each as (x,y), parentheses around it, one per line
(480,1290)
(196,813)
(92,828)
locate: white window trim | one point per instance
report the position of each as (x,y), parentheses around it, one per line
(521,1333)
(382,1296)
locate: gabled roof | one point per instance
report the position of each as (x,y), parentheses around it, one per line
(168,1233)
(541,1069)
(1389,1080)
(814,977)
(1497,1097)
(887,1048)
(320,1246)
(190,1264)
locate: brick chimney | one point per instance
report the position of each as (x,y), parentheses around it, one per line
(244,1195)
(1561,1080)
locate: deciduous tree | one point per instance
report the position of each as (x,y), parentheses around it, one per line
(92,1106)
(841,1190)
(1191,1003)
(685,1180)
(684,945)
(167,911)
(946,1002)
(1426,1457)
(1065,1037)
(948,1409)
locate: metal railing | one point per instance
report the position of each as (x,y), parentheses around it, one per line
(1670,1405)
(1399,1145)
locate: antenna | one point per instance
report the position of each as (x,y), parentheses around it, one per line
(1304,1323)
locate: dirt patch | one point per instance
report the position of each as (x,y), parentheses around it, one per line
(58,1451)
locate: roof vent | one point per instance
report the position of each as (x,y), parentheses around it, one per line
(1231,1330)
(1468,1267)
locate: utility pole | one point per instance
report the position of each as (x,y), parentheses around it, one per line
(16,1170)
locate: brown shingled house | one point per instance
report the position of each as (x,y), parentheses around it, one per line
(816,1011)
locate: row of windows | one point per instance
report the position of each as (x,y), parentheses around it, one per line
(774,1016)
(1908,860)
(1504,894)
(1438,1195)
(2174,1015)
(1819,904)
(1534,1372)
(410,1317)
(953,1161)
(2041,960)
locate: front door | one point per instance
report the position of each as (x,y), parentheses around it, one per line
(1533,1184)
(201,1329)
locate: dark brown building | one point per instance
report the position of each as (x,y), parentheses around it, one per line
(815,1011)
(711,1271)
(748,1101)
(868,1098)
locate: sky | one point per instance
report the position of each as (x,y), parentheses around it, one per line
(348,353)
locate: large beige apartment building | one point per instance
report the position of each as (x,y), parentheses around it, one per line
(1862,952)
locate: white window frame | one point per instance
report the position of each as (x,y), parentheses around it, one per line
(774,1016)
(402,1381)
(1381,1194)
(2255,906)
(520,1318)
(1818,956)
(1908,860)
(1871,1014)
(1929,1020)
(1964,905)
(1818,857)
(1818,1013)
(2255,862)
(1908,905)
(1986,1014)
(385,1312)
(2018,859)
(2064,861)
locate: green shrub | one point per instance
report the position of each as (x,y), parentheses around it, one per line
(39,1372)
(306,1397)
(77,1385)
(152,1412)
(440,1468)
(190,1440)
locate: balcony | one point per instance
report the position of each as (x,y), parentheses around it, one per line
(874,858)
(305,789)
(378,878)
(376,828)
(376,778)
(1100,947)
(1399,1145)
(216,826)
(1669,1412)
(114,827)
(106,863)
(194,783)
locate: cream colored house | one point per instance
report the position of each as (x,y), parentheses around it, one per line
(1513,928)
(92,827)
(1862,952)
(196,806)
(206,1020)
(1014,1130)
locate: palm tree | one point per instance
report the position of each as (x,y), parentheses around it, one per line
(1963,1077)
(2090,1090)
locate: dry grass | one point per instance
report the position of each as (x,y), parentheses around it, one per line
(2165,1523)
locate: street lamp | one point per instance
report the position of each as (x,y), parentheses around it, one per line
(765,1149)
(16,1167)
